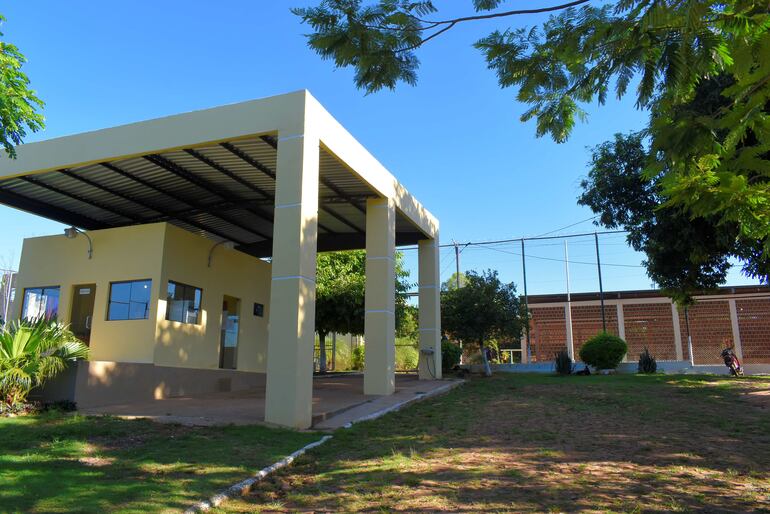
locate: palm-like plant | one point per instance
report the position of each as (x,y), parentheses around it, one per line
(32,352)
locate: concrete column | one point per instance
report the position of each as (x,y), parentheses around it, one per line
(380,317)
(568,325)
(677,333)
(736,330)
(289,394)
(430,309)
(621,327)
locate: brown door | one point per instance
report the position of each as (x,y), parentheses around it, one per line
(82,313)
(228,345)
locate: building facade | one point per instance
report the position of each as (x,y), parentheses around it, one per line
(173,294)
(738,316)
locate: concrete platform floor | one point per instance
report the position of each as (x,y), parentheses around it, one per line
(337,400)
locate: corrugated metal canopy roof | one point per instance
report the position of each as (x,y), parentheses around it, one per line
(223,191)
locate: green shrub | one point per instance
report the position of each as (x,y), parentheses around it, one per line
(603,351)
(357,359)
(32,352)
(406,358)
(563,362)
(450,354)
(647,363)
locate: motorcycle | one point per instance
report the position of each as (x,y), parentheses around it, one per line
(732,362)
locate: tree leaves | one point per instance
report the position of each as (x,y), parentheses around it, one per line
(484,308)
(18,104)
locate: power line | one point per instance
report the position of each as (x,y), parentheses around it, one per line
(569,226)
(529,255)
(519,239)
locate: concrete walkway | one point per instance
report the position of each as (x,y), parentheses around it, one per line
(337,400)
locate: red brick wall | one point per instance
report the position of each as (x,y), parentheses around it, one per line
(710,327)
(548,332)
(650,325)
(754,327)
(587,322)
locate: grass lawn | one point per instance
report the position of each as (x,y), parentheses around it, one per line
(528,443)
(57,463)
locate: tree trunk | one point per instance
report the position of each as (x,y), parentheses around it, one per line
(334,351)
(322,352)
(487,367)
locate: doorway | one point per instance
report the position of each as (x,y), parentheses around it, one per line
(82,312)
(228,345)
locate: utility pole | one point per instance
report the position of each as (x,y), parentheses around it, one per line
(457,264)
(526,302)
(601,288)
(570,339)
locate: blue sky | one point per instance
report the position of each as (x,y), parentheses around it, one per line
(454,140)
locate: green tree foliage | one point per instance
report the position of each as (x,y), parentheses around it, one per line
(484,309)
(451,282)
(713,164)
(340,295)
(32,352)
(685,254)
(450,354)
(18,104)
(603,351)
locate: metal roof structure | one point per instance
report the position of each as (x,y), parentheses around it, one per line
(223,190)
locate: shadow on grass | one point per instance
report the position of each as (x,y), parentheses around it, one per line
(87,464)
(534,442)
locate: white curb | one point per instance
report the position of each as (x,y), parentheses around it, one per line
(401,405)
(243,487)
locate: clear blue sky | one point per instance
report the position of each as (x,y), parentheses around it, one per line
(455,140)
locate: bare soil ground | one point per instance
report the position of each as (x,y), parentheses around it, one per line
(526,443)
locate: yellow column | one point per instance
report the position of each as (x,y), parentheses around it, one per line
(430,309)
(289,394)
(380,320)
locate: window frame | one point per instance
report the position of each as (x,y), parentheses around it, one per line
(42,291)
(184,286)
(108,316)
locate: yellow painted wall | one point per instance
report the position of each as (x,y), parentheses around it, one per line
(232,273)
(159,252)
(129,253)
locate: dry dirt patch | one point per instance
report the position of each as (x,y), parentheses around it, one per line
(537,443)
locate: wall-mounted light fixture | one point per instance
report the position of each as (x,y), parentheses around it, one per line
(227,244)
(73,232)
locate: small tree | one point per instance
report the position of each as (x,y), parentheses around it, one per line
(485,308)
(340,296)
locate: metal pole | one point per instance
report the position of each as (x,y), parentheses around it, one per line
(526,302)
(457,265)
(7,279)
(601,288)
(570,341)
(689,338)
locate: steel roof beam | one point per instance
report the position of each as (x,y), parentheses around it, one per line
(182,173)
(59,214)
(270,173)
(165,214)
(94,203)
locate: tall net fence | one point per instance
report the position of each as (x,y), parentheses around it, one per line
(576,286)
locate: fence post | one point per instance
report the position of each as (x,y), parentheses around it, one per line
(677,332)
(736,329)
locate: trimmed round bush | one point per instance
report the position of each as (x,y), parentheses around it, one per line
(603,351)
(450,355)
